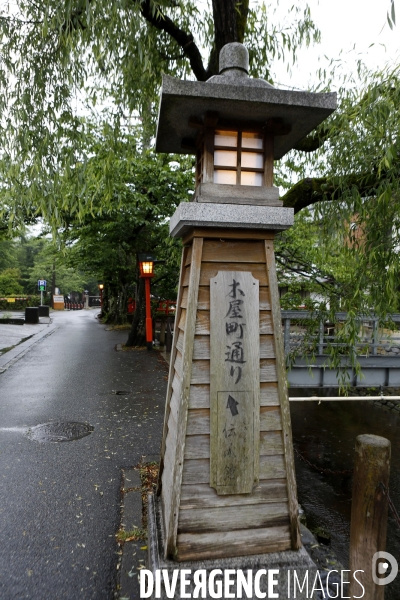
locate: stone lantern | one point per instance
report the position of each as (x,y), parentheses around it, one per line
(227,484)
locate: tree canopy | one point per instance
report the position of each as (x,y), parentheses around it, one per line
(67,65)
(59,59)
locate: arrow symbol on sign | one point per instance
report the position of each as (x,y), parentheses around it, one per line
(232,404)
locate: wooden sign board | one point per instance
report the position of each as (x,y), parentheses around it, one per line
(234,382)
(58,302)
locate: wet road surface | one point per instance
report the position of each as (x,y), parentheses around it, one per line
(60,502)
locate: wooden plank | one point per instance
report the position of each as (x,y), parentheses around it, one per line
(229,518)
(182,320)
(176,384)
(167,474)
(199,396)
(188,256)
(186,277)
(172,429)
(267,370)
(166,483)
(231,233)
(198,421)
(266,322)
(203,322)
(283,396)
(271,443)
(184,298)
(203,496)
(200,371)
(270,418)
(169,458)
(179,342)
(192,546)
(203,302)
(269,160)
(209,271)
(174,406)
(221,251)
(267,346)
(208,156)
(238,194)
(198,446)
(178,363)
(171,519)
(201,347)
(171,372)
(272,467)
(268,394)
(198,470)
(265,302)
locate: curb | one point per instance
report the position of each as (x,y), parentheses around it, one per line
(134,553)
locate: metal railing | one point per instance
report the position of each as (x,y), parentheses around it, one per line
(371,336)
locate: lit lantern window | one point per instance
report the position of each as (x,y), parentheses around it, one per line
(238,158)
(146,265)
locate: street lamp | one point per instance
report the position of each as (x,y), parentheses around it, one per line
(101,288)
(146,266)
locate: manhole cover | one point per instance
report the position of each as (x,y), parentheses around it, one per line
(59,432)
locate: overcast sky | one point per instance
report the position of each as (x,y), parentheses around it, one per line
(345,24)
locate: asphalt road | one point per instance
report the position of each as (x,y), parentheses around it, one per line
(60,502)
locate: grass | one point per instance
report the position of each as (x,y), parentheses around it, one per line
(132,535)
(123,327)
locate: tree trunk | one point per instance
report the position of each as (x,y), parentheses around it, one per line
(230,19)
(53,283)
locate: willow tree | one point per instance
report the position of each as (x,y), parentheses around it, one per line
(57,56)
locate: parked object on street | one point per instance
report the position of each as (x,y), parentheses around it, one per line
(58,302)
(32,315)
(44,310)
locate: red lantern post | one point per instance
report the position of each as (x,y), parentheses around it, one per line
(146,266)
(101,288)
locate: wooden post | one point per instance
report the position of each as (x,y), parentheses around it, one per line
(321,338)
(375,337)
(162,331)
(368,511)
(168,336)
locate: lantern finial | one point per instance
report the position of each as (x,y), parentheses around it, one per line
(234,56)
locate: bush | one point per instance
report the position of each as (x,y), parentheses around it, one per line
(21,304)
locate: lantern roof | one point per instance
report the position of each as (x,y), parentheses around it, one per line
(233,99)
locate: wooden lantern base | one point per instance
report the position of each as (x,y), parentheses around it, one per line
(197,522)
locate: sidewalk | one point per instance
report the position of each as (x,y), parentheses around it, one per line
(15,340)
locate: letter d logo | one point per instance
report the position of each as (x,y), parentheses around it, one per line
(382,567)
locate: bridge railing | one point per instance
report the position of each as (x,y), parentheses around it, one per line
(373,340)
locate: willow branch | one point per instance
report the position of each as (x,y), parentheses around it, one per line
(182,38)
(311,190)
